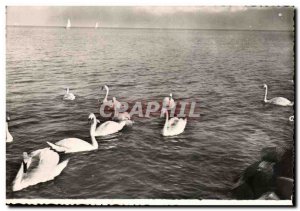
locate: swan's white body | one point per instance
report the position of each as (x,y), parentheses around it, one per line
(174,126)
(121,116)
(109,127)
(116,104)
(108,103)
(9,137)
(291,118)
(169,102)
(277,100)
(69,96)
(42,166)
(71,145)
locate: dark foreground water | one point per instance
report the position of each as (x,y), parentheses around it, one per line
(223,70)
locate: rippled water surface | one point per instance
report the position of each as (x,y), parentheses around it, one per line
(224,71)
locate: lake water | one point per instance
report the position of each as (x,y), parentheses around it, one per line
(224,71)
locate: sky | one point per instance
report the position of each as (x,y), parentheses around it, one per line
(189,17)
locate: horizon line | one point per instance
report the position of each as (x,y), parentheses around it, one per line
(157,28)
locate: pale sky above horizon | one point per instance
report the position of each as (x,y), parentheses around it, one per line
(213,17)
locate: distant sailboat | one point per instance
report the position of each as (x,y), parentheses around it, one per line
(96,26)
(68,24)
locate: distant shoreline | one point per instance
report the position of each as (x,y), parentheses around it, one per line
(131,28)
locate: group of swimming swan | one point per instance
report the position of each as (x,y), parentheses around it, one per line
(172,127)
(43,165)
(106,128)
(71,145)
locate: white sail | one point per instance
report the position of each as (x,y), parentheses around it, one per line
(96,26)
(68,24)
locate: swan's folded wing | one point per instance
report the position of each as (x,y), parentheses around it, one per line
(34,163)
(110,127)
(60,167)
(173,121)
(73,144)
(49,158)
(105,125)
(32,166)
(56,147)
(41,158)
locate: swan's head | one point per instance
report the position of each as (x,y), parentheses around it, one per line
(25,156)
(92,116)
(265,86)
(171,95)
(163,110)
(291,118)
(104,87)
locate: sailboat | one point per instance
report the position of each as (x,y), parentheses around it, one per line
(96,26)
(68,24)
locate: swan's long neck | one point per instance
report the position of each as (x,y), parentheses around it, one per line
(107,90)
(92,133)
(67,90)
(19,177)
(115,112)
(266,94)
(7,131)
(167,119)
(9,137)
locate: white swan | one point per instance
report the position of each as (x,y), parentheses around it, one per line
(291,118)
(39,166)
(9,137)
(116,103)
(71,145)
(108,127)
(277,100)
(169,102)
(174,126)
(108,103)
(68,95)
(119,116)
